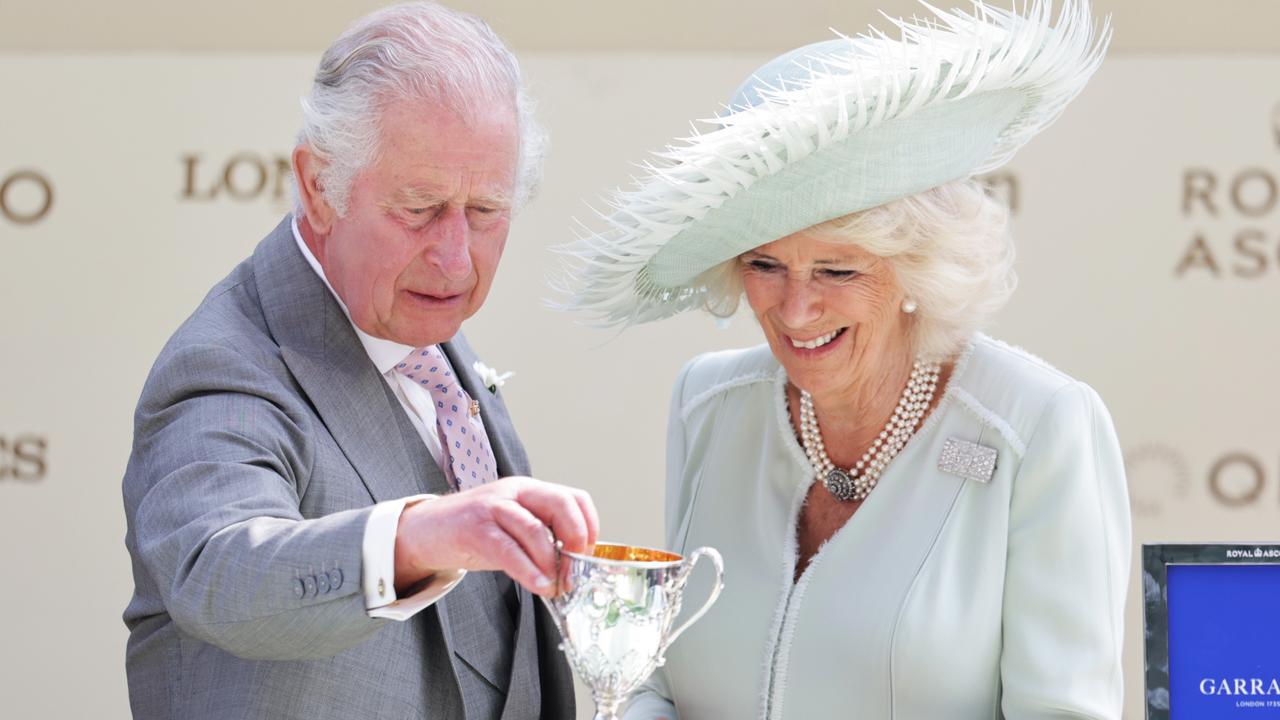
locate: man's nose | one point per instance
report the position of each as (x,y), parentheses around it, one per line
(450,248)
(801,302)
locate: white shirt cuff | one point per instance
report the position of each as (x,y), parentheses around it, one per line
(378,567)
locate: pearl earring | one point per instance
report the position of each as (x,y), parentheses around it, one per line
(909,306)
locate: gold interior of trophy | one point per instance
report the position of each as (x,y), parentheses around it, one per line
(633,553)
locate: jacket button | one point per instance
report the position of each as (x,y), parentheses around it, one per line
(310,581)
(335,578)
(322,581)
(299,589)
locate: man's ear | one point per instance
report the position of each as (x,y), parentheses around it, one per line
(306,173)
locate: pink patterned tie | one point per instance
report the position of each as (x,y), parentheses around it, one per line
(466,445)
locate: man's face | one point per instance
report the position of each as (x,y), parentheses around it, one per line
(426,222)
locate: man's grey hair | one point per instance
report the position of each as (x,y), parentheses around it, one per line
(413,51)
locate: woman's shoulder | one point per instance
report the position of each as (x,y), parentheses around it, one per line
(1009,388)
(715,373)
(992,362)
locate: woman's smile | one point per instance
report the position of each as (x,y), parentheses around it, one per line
(816,346)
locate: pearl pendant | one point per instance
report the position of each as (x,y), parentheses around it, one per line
(839,484)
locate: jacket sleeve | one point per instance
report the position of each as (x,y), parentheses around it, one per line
(221,458)
(1068,567)
(653,700)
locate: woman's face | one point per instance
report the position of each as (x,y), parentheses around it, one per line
(831,311)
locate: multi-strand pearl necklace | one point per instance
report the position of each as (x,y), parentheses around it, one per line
(857,482)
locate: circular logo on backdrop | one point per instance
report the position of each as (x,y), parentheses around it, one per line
(1157,474)
(26,197)
(1160,476)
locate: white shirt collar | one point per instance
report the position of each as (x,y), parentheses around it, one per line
(385,354)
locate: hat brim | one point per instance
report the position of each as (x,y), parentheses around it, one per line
(895,160)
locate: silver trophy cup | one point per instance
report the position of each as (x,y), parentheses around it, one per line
(615,610)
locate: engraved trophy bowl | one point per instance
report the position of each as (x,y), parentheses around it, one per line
(615,609)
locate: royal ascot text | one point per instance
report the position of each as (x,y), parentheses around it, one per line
(1250,250)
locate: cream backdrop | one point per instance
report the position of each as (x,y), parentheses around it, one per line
(160,172)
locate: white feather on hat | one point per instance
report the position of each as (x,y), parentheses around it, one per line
(828,130)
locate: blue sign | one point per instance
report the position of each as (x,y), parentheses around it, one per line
(1224,641)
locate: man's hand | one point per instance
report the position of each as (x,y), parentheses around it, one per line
(505,525)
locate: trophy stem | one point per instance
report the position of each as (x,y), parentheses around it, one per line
(607,709)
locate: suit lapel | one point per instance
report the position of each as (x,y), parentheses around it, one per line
(324,355)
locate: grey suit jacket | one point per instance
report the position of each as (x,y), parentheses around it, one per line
(263,437)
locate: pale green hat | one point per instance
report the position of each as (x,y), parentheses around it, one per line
(827,130)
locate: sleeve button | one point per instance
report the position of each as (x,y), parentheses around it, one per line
(310,581)
(335,578)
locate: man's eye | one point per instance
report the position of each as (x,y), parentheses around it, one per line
(424,210)
(483,210)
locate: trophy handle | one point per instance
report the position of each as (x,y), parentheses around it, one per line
(715,589)
(549,602)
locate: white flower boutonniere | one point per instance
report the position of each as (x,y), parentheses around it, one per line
(491,378)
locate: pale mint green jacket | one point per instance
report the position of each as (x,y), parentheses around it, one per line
(942,598)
